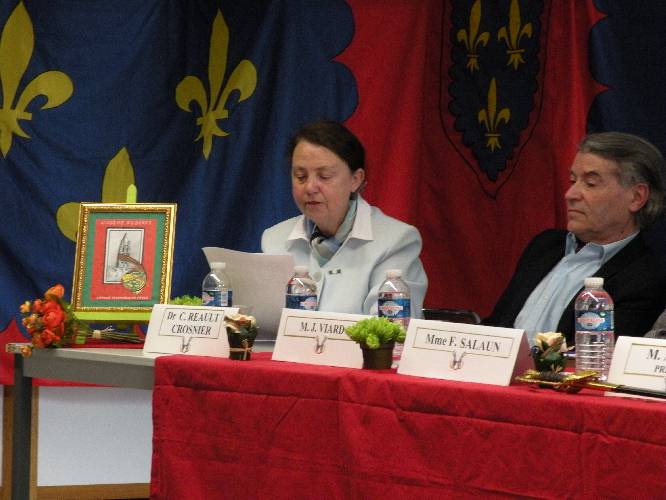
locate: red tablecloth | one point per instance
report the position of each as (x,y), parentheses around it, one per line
(267,429)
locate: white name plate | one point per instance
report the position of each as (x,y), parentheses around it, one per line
(318,338)
(639,362)
(468,353)
(188,330)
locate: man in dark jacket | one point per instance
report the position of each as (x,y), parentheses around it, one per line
(616,190)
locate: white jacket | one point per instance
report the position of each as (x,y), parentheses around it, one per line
(349,281)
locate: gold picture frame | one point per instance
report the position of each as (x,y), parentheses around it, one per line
(124,258)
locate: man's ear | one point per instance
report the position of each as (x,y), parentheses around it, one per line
(640,195)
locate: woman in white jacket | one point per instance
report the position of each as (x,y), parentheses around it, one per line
(347,244)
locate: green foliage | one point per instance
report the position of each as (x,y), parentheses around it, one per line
(186,300)
(376,331)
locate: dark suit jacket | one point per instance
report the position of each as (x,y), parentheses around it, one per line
(634,278)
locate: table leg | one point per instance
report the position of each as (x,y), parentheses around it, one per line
(21,438)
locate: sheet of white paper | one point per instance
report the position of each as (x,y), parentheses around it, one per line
(259,282)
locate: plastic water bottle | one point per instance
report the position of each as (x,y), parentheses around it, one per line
(301,290)
(595,337)
(394,304)
(216,289)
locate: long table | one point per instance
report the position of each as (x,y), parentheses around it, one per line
(268,429)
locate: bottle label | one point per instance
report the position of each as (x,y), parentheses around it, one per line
(394,308)
(306,302)
(217,298)
(594,321)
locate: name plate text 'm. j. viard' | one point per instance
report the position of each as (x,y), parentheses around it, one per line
(318,338)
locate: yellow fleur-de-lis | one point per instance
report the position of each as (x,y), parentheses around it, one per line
(16,45)
(492,119)
(513,35)
(117,187)
(473,38)
(243,79)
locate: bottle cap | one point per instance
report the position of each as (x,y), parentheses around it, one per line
(393,273)
(301,269)
(594,282)
(218,265)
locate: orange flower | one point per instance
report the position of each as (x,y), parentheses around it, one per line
(38,341)
(56,290)
(32,323)
(37,306)
(52,314)
(25,307)
(48,337)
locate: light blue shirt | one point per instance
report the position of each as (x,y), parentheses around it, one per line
(544,307)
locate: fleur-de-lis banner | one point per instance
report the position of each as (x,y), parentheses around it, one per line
(470,111)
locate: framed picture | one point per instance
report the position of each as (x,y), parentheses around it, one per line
(123,264)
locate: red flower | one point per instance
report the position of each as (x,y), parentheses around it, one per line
(53,314)
(38,340)
(48,337)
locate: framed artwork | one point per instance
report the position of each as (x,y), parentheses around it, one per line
(124,254)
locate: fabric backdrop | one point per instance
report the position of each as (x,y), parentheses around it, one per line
(470,112)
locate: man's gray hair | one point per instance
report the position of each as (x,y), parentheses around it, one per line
(638,161)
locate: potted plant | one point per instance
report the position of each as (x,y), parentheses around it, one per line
(548,351)
(376,337)
(241,332)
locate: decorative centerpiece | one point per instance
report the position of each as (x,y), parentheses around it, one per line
(51,322)
(376,337)
(241,332)
(548,352)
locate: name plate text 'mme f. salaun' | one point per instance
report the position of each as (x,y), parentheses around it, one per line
(469,353)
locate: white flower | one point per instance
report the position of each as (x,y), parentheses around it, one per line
(236,322)
(551,340)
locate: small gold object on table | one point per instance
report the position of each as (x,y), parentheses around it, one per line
(587,379)
(241,332)
(564,382)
